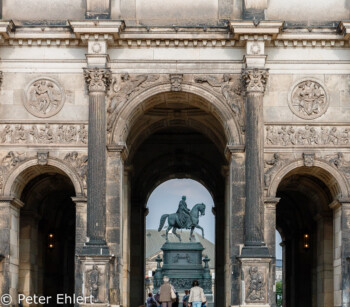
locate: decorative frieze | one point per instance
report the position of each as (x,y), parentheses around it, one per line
(308,99)
(44,97)
(309,135)
(52,134)
(97,79)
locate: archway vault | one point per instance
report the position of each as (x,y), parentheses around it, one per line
(331,177)
(199,101)
(25,172)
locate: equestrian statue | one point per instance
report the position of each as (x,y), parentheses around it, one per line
(184,218)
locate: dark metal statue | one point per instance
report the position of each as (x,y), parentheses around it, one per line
(184,218)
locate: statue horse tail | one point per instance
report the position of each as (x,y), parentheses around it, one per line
(162,221)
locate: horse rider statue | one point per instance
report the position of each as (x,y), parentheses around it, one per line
(184,218)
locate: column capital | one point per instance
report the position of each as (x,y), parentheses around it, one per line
(98,79)
(254,79)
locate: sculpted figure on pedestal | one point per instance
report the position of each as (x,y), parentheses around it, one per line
(183,219)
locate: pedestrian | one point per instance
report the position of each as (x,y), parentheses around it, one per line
(185,298)
(151,302)
(176,302)
(197,296)
(167,293)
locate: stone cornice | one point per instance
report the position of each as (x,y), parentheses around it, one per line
(249,30)
(237,33)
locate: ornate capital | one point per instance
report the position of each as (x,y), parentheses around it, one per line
(98,79)
(254,79)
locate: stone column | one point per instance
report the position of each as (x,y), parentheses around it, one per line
(235,213)
(80,238)
(341,255)
(98,81)
(254,80)
(270,239)
(9,246)
(115,168)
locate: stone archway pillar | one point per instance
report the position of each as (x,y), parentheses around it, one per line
(95,260)
(341,253)
(255,258)
(9,247)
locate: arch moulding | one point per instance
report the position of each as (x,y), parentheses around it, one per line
(11,188)
(215,106)
(340,179)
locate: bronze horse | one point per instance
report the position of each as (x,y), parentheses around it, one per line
(173,223)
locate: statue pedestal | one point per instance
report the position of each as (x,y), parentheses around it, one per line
(183,264)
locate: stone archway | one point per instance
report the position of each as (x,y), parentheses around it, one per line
(180,138)
(41,218)
(308,224)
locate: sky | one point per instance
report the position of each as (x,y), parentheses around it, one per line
(166,197)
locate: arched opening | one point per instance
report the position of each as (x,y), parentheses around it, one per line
(305,222)
(179,138)
(164,200)
(47,233)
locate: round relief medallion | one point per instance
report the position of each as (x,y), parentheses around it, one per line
(308,99)
(44,97)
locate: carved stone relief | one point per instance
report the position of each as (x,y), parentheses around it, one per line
(283,135)
(8,162)
(93,283)
(309,159)
(272,167)
(74,134)
(43,157)
(230,88)
(44,98)
(308,99)
(175,82)
(339,162)
(79,162)
(123,88)
(256,286)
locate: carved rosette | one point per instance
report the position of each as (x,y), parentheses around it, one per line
(98,79)
(308,99)
(254,79)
